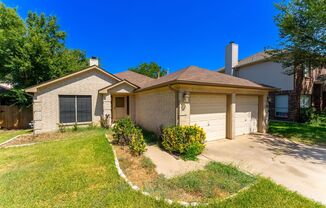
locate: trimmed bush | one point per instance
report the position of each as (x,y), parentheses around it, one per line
(123,129)
(126,133)
(137,143)
(188,141)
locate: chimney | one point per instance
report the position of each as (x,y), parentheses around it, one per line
(93,61)
(231,57)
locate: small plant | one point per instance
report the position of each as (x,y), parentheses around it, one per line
(62,127)
(137,143)
(104,121)
(75,127)
(123,129)
(126,133)
(150,137)
(188,141)
(192,151)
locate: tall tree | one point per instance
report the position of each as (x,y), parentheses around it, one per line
(302,46)
(33,51)
(149,69)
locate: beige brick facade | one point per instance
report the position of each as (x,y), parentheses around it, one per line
(156,108)
(46,100)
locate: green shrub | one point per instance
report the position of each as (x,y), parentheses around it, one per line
(312,116)
(126,133)
(193,150)
(188,141)
(123,129)
(137,143)
(150,137)
(75,127)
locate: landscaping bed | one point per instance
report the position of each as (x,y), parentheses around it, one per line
(215,182)
(30,139)
(9,134)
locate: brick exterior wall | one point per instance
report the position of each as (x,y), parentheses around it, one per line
(46,100)
(155,108)
(291,103)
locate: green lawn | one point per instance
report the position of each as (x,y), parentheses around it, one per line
(79,172)
(8,134)
(306,133)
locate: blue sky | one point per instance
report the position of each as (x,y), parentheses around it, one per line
(173,33)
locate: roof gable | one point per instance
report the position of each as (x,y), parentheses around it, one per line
(34,88)
(110,87)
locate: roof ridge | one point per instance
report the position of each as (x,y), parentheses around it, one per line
(183,71)
(136,73)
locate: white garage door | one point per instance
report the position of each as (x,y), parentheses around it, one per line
(246,115)
(209,112)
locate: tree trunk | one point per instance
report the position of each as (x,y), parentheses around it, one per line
(298,81)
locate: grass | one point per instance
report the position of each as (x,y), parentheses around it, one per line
(8,134)
(79,171)
(215,182)
(301,132)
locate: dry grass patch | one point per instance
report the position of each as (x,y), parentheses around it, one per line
(51,136)
(215,182)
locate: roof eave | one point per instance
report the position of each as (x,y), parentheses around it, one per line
(33,89)
(205,84)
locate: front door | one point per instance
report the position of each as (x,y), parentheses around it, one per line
(120,107)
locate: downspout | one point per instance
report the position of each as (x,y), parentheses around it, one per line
(177,110)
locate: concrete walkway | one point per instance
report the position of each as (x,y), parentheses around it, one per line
(169,165)
(299,167)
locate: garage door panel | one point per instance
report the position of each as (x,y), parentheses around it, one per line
(209,112)
(246,114)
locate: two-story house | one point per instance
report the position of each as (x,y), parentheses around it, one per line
(261,69)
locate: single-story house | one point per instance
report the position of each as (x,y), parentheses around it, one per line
(224,106)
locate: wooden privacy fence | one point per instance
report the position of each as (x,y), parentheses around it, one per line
(14,117)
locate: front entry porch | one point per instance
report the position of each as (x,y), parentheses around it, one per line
(121,106)
(118,101)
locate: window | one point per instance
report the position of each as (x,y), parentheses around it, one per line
(305,101)
(75,109)
(281,105)
(119,102)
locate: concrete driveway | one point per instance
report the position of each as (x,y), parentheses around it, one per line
(299,167)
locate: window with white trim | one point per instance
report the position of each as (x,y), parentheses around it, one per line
(75,108)
(282,106)
(305,101)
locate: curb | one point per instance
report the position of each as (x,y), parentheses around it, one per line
(15,137)
(136,188)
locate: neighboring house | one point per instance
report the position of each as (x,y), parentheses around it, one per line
(224,105)
(260,69)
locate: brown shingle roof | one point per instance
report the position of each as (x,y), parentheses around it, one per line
(258,57)
(135,78)
(196,75)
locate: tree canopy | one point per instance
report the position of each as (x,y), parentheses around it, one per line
(302,29)
(33,51)
(149,69)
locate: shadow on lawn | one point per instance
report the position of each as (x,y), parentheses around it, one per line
(314,134)
(286,147)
